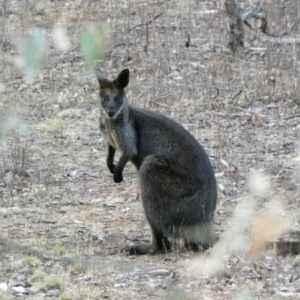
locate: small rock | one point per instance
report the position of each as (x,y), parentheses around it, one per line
(53,292)
(78,222)
(160,272)
(9,210)
(33,290)
(246,268)
(73,173)
(20,289)
(16,282)
(49,221)
(119,285)
(3,286)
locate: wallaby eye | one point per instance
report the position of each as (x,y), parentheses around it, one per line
(104,99)
(119,99)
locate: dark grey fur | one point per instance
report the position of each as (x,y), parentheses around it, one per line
(177,182)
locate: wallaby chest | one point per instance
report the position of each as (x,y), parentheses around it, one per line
(110,132)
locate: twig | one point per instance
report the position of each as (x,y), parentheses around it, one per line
(291,117)
(128,28)
(242,109)
(237,95)
(218,93)
(147,23)
(232,57)
(124,44)
(147,37)
(161,97)
(63,57)
(160,104)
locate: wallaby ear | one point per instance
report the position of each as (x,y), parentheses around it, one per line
(123,78)
(100,76)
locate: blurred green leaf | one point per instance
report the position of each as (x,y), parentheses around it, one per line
(10,123)
(92,44)
(34,51)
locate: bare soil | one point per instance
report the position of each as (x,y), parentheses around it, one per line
(63,219)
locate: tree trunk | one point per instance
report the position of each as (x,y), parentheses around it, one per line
(234,29)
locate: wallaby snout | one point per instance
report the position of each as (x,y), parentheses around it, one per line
(111,113)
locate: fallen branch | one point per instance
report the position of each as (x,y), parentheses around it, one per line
(252,14)
(264,23)
(264,28)
(235,19)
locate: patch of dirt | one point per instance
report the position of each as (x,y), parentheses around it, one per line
(63,219)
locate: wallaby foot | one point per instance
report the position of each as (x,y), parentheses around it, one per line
(142,249)
(196,247)
(192,247)
(118,177)
(160,244)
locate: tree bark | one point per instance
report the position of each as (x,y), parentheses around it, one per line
(234,28)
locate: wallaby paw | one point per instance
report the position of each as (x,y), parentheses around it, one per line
(111,168)
(118,178)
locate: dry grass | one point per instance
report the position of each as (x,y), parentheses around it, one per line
(56,193)
(32,261)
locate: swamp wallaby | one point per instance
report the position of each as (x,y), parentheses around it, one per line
(177,182)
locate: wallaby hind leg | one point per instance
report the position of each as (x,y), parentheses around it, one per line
(154,171)
(174,204)
(157,193)
(160,243)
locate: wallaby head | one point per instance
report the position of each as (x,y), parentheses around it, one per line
(112,94)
